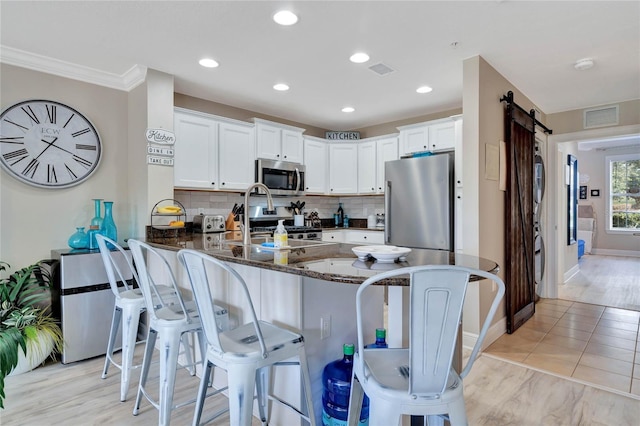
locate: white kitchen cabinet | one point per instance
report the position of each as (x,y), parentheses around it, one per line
(367,167)
(357,236)
(442,136)
(195,151)
(343,168)
(435,136)
(316,161)
(212,152)
(333,236)
(414,138)
(386,150)
(237,164)
(275,141)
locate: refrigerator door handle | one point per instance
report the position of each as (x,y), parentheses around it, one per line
(387,212)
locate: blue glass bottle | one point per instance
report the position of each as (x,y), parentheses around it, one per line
(381,339)
(97,220)
(336,388)
(108,228)
(79,239)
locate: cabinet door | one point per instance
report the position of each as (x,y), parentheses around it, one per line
(387,150)
(415,139)
(195,153)
(268,142)
(367,167)
(332,236)
(292,146)
(343,168)
(237,156)
(442,136)
(315,160)
(364,237)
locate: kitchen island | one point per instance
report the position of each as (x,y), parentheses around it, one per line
(310,288)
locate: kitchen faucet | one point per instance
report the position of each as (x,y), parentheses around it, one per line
(246,233)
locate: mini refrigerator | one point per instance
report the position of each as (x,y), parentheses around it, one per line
(84,302)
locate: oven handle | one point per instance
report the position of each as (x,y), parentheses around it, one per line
(297,180)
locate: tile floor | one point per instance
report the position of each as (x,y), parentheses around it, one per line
(594,344)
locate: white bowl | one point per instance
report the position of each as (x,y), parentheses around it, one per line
(383,254)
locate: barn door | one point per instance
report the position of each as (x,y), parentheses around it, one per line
(519,210)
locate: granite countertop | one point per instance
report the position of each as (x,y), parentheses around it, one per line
(314,259)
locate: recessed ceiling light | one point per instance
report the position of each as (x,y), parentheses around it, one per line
(208,63)
(285,17)
(348,109)
(424,89)
(359,58)
(281,87)
(583,64)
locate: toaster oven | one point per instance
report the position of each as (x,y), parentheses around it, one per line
(206,223)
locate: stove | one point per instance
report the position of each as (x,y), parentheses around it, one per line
(294,232)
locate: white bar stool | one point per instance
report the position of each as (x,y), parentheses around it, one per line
(172,319)
(129,303)
(247,352)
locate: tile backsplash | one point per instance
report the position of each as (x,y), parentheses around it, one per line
(196,202)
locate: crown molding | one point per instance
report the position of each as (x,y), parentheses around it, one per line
(20,58)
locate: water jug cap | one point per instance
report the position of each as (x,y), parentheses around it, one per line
(381,333)
(348,349)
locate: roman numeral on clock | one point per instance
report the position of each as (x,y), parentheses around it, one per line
(14,139)
(16,124)
(51,174)
(51,114)
(87,147)
(82,161)
(31,168)
(80,132)
(31,114)
(73,175)
(19,154)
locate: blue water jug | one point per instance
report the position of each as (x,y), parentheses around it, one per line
(336,388)
(381,339)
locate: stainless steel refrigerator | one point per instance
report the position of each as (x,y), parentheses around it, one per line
(418,201)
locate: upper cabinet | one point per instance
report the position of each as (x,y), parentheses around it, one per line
(212,152)
(316,161)
(372,155)
(343,168)
(275,141)
(434,136)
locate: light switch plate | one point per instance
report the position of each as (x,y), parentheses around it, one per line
(325,326)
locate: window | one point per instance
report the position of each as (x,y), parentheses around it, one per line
(623,198)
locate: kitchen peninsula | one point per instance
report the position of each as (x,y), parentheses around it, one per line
(311,287)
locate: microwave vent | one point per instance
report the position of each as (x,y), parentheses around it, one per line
(600,117)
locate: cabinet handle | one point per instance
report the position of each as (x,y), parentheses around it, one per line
(223,183)
(285,156)
(213,183)
(332,189)
(459,197)
(277,155)
(373,189)
(365,237)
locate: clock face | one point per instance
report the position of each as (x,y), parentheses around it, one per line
(48,144)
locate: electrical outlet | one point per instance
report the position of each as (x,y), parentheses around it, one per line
(200,210)
(325,326)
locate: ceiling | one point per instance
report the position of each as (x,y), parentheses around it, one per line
(534,44)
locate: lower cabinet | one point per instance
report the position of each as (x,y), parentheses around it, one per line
(363,237)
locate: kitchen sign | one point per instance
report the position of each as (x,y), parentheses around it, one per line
(342,136)
(160,136)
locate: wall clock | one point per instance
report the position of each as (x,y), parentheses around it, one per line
(48,144)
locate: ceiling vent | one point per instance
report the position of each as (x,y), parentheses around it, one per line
(381,69)
(601,116)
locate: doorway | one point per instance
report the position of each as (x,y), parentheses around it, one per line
(561,265)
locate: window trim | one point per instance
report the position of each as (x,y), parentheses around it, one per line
(608,160)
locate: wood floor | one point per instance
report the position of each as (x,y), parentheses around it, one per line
(496,393)
(605,280)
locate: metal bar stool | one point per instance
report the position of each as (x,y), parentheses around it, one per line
(172,319)
(247,352)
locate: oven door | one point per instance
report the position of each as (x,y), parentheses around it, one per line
(281,177)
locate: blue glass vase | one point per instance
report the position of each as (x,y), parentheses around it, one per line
(79,239)
(97,220)
(108,227)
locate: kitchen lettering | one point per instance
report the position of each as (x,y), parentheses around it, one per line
(160,136)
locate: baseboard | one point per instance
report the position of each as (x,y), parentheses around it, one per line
(612,252)
(495,331)
(570,273)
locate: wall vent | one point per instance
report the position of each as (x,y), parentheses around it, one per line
(381,69)
(601,116)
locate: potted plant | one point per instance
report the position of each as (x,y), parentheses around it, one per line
(28,332)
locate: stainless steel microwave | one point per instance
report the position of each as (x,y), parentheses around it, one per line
(281,177)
